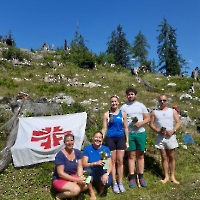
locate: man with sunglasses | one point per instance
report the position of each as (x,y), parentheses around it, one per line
(165,121)
(138,116)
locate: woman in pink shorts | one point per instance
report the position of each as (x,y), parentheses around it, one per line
(68,177)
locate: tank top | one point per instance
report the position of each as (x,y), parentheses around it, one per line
(164,118)
(115,127)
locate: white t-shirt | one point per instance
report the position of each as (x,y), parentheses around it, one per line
(135,109)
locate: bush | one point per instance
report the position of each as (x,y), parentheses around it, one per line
(14,53)
(83,59)
(73,108)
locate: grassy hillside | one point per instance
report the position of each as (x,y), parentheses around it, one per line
(34,182)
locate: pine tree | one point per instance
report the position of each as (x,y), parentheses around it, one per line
(139,48)
(78,43)
(119,47)
(154,67)
(169,58)
(80,54)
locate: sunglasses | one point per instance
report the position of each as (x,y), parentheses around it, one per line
(164,100)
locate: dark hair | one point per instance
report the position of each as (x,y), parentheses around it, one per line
(68,135)
(130,89)
(98,132)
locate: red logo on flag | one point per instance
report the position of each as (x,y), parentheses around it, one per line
(51,135)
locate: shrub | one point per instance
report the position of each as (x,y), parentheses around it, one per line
(14,53)
(73,108)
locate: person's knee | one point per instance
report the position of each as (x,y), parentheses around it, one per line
(171,158)
(140,156)
(164,157)
(131,155)
(75,190)
(119,162)
(114,161)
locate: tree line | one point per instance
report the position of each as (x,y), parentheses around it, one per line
(121,52)
(124,54)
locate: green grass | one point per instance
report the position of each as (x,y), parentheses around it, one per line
(34,182)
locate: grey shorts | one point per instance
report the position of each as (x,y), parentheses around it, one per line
(167,142)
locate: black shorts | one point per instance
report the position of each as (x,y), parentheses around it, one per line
(116,143)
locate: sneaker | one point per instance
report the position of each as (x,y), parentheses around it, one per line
(143,182)
(116,189)
(121,187)
(132,183)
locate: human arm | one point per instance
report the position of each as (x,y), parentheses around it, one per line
(92,164)
(105,176)
(80,168)
(152,124)
(88,156)
(62,174)
(66,169)
(177,123)
(146,119)
(125,128)
(105,124)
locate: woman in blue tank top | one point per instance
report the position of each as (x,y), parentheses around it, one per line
(115,132)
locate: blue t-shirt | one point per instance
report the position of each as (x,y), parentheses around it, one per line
(70,167)
(115,127)
(94,156)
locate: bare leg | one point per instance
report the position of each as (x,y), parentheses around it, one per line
(131,161)
(113,157)
(83,187)
(140,159)
(164,165)
(171,156)
(120,167)
(70,189)
(63,195)
(91,192)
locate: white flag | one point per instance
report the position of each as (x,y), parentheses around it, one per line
(40,138)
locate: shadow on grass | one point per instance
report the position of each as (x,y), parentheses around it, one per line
(151,165)
(53,192)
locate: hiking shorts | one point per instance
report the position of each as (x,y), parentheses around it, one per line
(137,141)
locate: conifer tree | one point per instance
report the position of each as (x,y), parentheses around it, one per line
(139,48)
(78,43)
(169,58)
(119,47)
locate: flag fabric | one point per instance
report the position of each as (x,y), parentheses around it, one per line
(40,138)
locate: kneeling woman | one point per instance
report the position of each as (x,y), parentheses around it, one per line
(67,176)
(92,160)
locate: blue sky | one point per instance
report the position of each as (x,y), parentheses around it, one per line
(34,22)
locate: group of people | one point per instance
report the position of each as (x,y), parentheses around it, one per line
(123,131)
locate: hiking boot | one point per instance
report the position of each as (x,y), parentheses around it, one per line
(121,187)
(143,182)
(132,183)
(116,189)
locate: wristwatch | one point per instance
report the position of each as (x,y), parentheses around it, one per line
(108,173)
